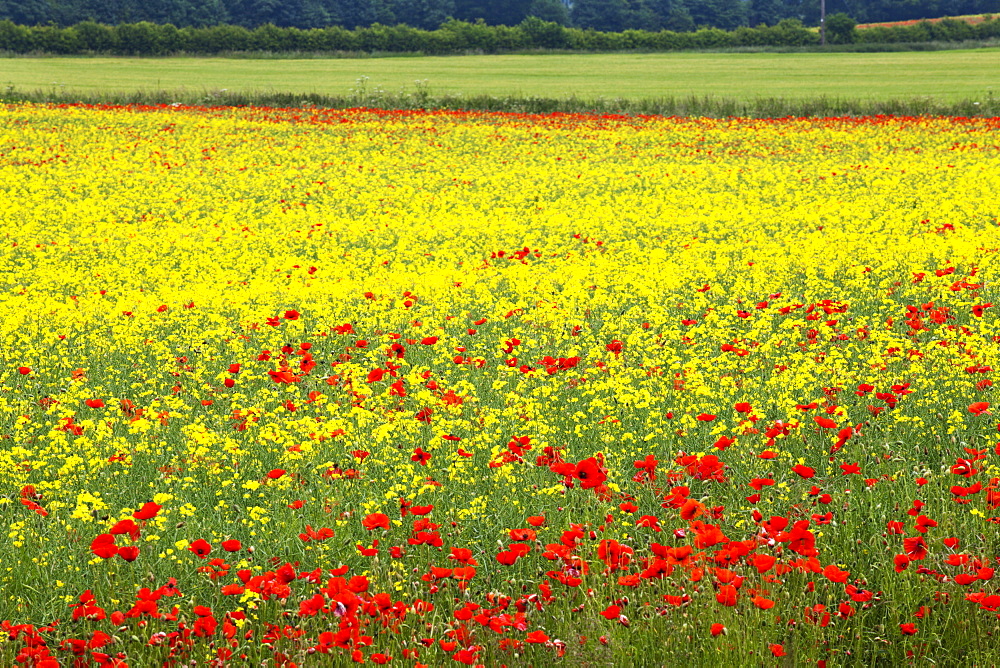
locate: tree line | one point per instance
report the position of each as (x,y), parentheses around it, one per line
(599,15)
(151,39)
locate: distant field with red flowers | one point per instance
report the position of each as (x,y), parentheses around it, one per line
(971,19)
(313,387)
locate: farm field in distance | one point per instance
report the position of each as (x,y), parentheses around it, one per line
(308,387)
(944,75)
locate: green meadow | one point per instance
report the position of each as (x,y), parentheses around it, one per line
(945,76)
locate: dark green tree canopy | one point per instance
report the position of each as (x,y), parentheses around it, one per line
(599,15)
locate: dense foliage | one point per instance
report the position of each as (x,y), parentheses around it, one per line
(151,39)
(603,15)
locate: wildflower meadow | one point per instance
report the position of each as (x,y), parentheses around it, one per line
(307,387)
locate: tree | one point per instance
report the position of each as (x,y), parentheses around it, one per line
(765,12)
(355,13)
(210,13)
(639,15)
(26,12)
(679,19)
(13,37)
(544,34)
(426,14)
(494,12)
(552,11)
(840,28)
(254,13)
(725,14)
(605,15)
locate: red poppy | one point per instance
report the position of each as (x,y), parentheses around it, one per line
(201,547)
(126,526)
(94,403)
(537,637)
(291,314)
(650,521)
(908,629)
(24,370)
(978,309)
(717,629)
(129,552)
(232,545)
(508,557)
(274,474)
(825,422)
(964,467)
(462,555)
(522,534)
(759,483)
(763,562)
(368,551)
(777,650)
(979,407)
(691,509)
(611,612)
(915,548)
(803,471)
(727,595)
(705,417)
(280,376)
(590,473)
(420,456)
(375,520)
(536,520)
(724,442)
(742,407)
(147,512)
(104,546)
(424,415)
(923,522)
(313,534)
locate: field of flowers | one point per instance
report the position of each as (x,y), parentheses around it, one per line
(308,387)
(971,19)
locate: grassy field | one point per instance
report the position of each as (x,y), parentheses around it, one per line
(943,75)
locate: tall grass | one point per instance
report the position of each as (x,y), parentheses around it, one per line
(420,98)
